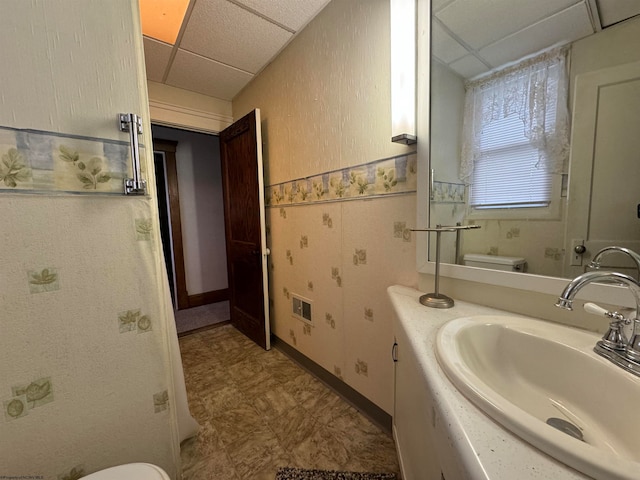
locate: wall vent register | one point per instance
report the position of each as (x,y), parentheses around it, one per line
(302,308)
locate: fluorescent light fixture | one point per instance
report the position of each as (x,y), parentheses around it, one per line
(162,19)
(403,71)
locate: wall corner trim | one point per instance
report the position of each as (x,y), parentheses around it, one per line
(164,113)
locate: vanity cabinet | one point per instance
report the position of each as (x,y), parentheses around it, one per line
(440,434)
(424,449)
(413,416)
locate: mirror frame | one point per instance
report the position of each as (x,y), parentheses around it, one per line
(611,294)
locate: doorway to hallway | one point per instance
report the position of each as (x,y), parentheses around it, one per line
(188,178)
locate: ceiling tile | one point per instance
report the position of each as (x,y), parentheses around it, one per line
(293,14)
(468,67)
(614,11)
(567,26)
(229,34)
(199,74)
(436,5)
(499,18)
(445,47)
(156,58)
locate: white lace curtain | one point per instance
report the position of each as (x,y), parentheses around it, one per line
(528,90)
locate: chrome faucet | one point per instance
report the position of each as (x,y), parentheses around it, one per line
(614,345)
(597,258)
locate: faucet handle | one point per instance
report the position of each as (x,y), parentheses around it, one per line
(614,339)
(598,310)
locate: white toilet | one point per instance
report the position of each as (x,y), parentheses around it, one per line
(130,471)
(495,262)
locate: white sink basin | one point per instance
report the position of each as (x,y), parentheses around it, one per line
(522,372)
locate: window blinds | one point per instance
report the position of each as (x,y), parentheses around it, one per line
(508,173)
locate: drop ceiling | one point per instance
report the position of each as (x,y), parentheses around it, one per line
(473,37)
(223,44)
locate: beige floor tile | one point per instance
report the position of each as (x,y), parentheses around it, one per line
(246,369)
(259,411)
(203,454)
(273,403)
(235,423)
(327,407)
(322,450)
(281,367)
(221,398)
(257,452)
(293,427)
(306,390)
(217,467)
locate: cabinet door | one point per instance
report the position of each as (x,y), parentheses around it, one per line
(413,417)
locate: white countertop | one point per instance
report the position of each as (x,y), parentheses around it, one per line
(486,449)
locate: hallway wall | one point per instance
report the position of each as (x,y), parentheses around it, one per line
(201,208)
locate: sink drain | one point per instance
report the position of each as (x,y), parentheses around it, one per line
(566,427)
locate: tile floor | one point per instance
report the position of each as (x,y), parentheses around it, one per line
(258,411)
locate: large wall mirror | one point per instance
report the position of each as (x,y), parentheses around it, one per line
(594,196)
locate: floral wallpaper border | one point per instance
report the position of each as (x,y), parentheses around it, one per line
(446,192)
(387,176)
(35,161)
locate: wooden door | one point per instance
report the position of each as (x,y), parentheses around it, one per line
(175,256)
(603,180)
(243,187)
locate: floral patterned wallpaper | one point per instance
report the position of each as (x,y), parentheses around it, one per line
(447,192)
(342,252)
(381,177)
(35,161)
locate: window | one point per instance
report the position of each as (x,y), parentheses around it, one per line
(515,134)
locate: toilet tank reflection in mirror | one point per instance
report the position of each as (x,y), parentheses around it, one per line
(593,197)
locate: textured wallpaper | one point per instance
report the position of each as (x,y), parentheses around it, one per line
(340,193)
(342,256)
(325,100)
(85,377)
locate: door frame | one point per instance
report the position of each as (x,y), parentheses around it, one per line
(168,148)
